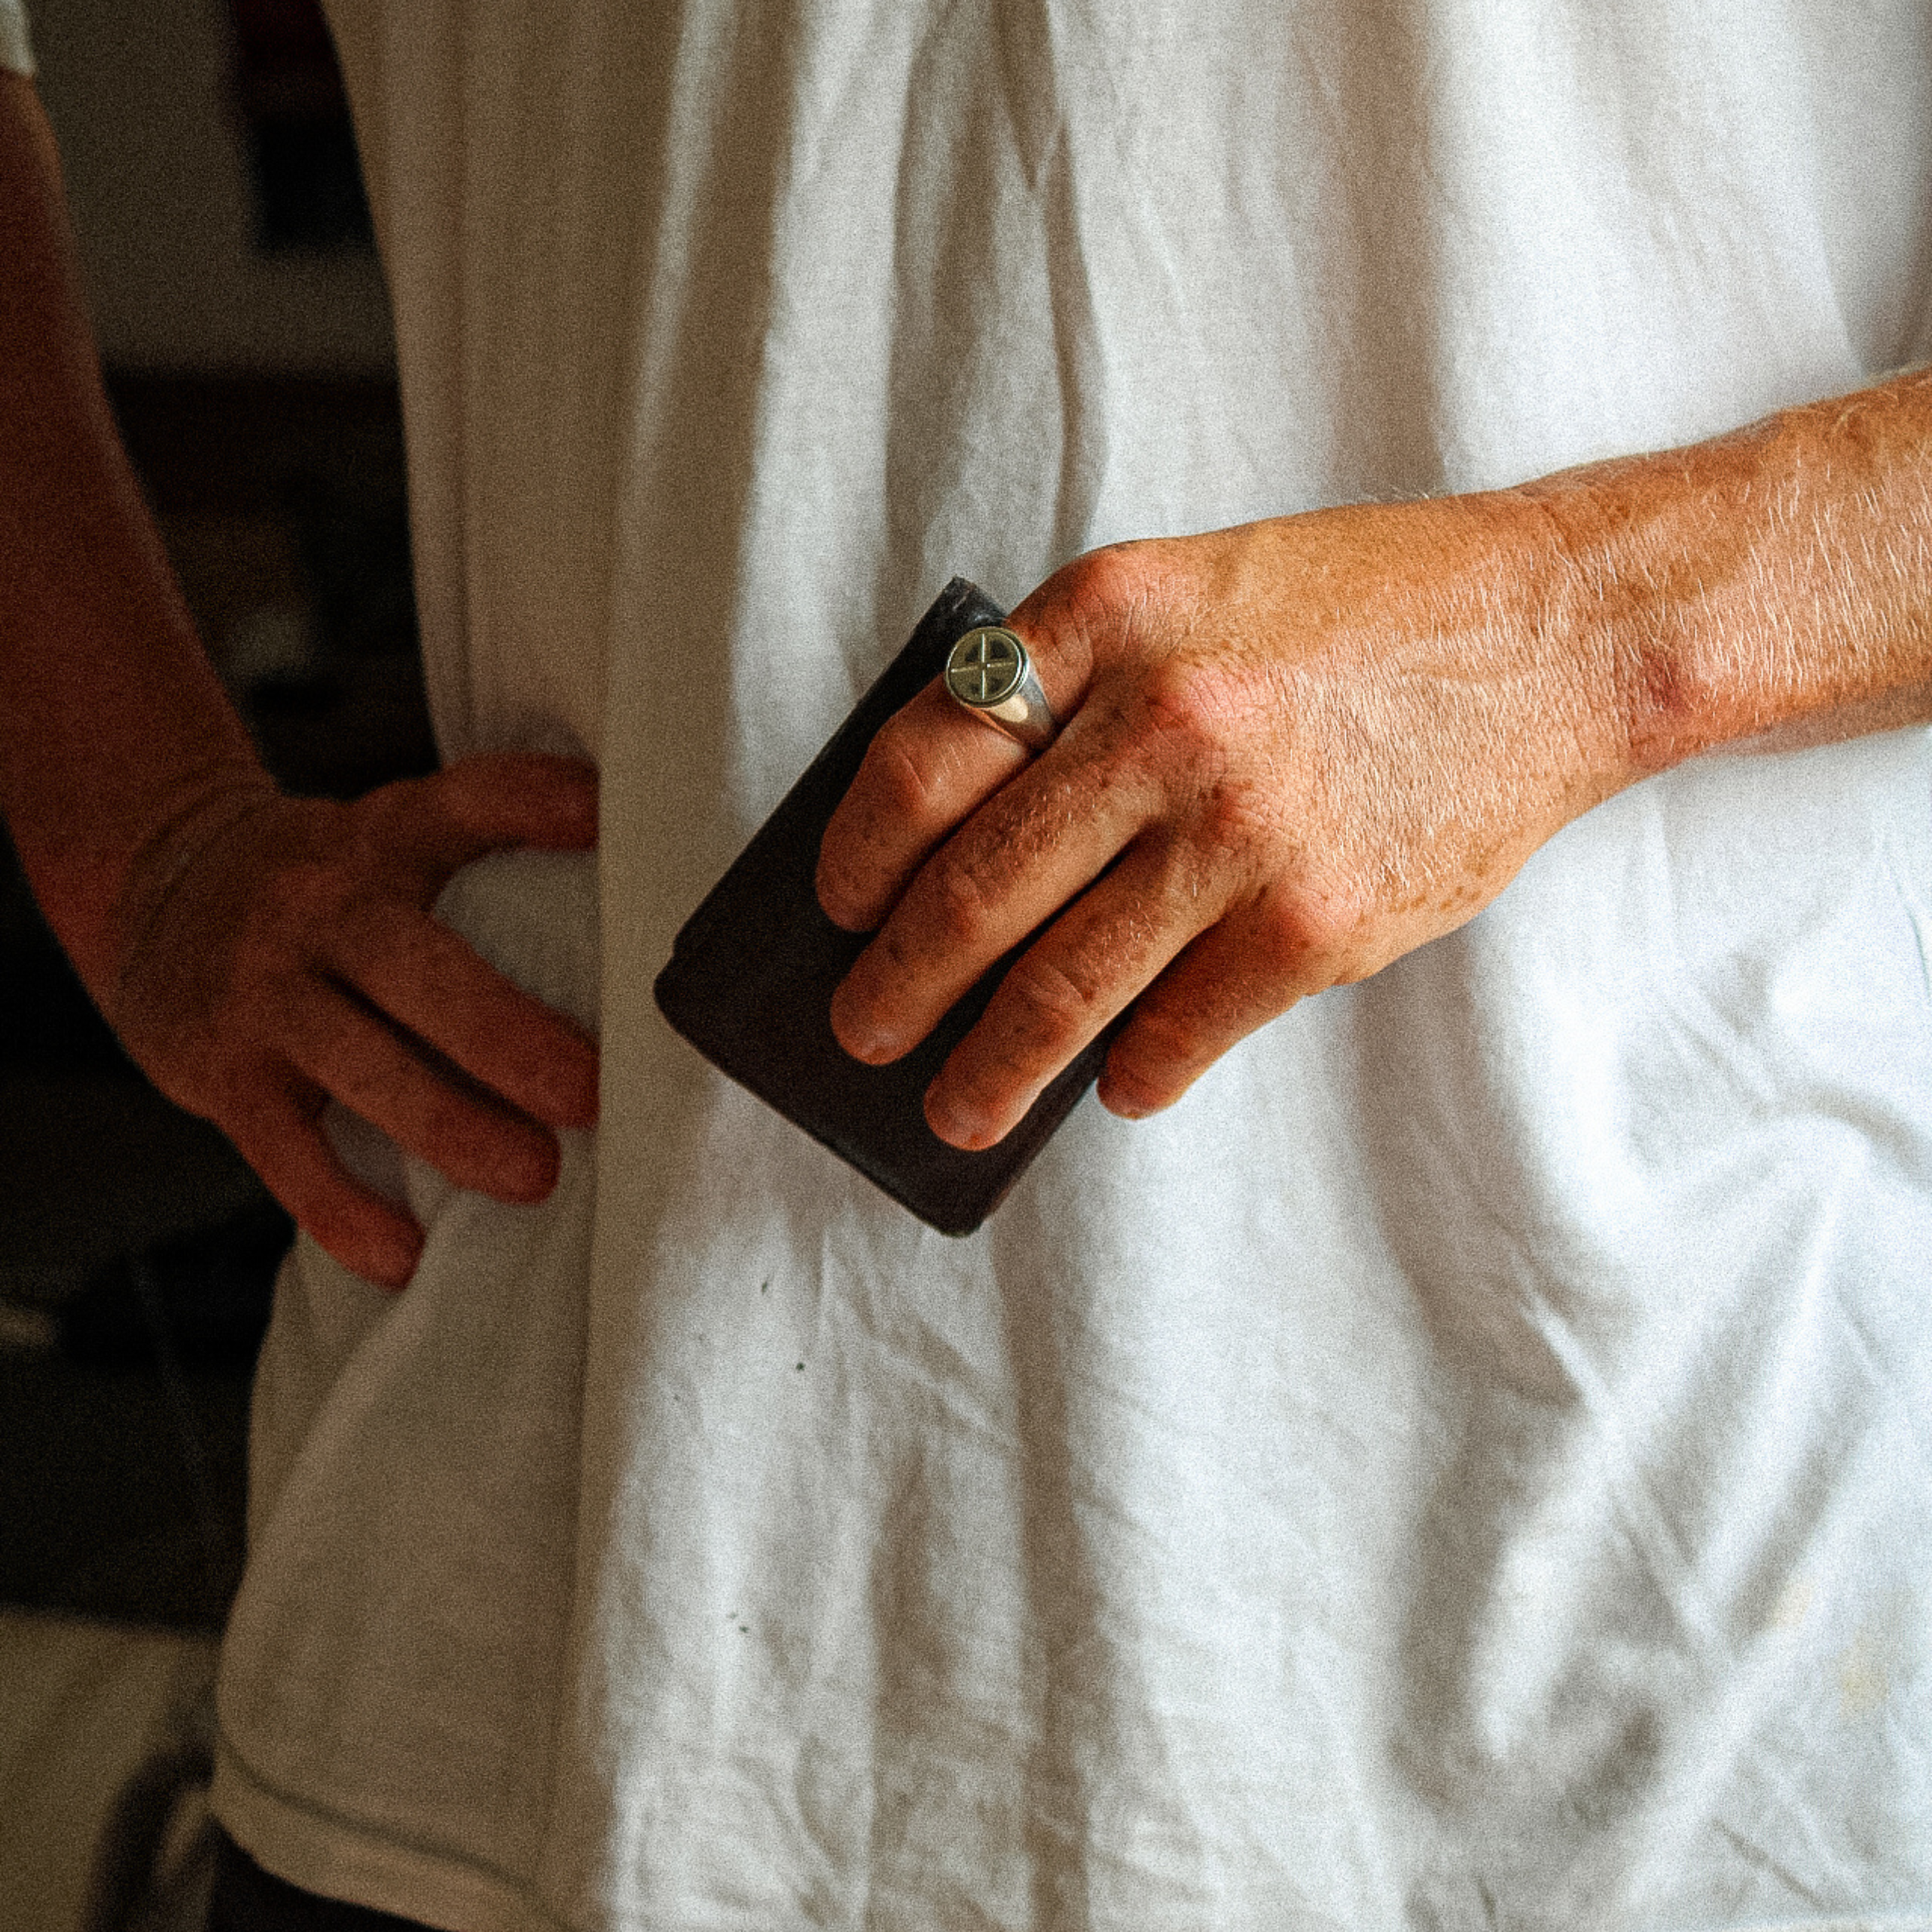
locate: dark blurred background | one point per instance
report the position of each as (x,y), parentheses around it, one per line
(212,176)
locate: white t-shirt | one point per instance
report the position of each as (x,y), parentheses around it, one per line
(1466,1465)
(16,53)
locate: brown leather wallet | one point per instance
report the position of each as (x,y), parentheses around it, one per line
(751,975)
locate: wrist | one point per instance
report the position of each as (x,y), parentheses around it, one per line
(1773,585)
(1667,582)
(206,812)
(101,875)
(113,724)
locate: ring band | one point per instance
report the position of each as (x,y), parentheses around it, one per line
(990,673)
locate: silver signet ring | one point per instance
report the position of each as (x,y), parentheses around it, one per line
(989,672)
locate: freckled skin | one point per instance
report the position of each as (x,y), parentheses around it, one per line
(1296,749)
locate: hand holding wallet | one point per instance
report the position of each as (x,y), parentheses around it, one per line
(752,974)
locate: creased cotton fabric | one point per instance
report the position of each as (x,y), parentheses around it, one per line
(16,53)
(1466,1465)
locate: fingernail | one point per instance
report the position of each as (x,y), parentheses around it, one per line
(1123,1106)
(862,1036)
(839,902)
(873,1045)
(957,1122)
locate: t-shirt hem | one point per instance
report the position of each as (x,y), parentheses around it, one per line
(307,1844)
(1842,1921)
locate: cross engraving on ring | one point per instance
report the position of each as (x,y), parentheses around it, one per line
(987,670)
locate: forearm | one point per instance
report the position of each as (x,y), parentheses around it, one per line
(113,724)
(1771,587)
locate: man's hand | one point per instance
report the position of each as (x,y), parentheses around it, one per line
(1291,752)
(280,951)
(257,954)
(1295,750)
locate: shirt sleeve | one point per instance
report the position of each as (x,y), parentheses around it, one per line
(16,53)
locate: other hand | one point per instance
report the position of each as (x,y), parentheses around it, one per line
(281,952)
(1290,751)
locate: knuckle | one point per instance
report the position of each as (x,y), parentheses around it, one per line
(374,840)
(848,887)
(962,911)
(1054,1010)
(1194,711)
(1160,1051)
(910,777)
(1232,823)
(1297,936)
(1101,586)
(353,934)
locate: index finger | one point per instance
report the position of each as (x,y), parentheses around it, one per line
(491,801)
(930,766)
(521,799)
